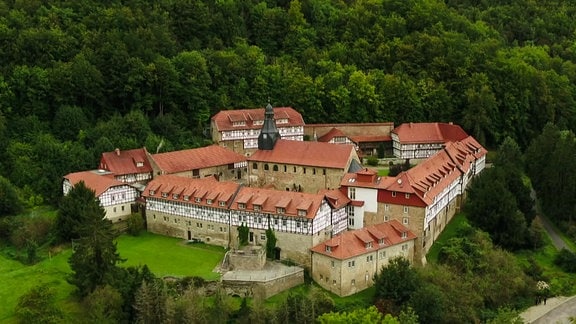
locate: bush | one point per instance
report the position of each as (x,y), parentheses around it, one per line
(566,260)
(135,224)
(372,160)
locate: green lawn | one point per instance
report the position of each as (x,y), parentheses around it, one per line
(163,255)
(17,279)
(383,172)
(169,256)
(448,233)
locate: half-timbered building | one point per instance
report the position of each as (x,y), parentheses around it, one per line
(130,166)
(238,129)
(116,197)
(422,140)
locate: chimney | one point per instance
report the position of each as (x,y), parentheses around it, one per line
(117,151)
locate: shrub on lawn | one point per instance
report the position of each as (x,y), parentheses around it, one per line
(372,160)
(135,224)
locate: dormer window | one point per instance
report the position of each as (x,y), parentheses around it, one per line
(280,210)
(301,213)
(152,192)
(197,199)
(175,196)
(186,197)
(139,164)
(241,206)
(404,235)
(257,207)
(164,195)
(328,249)
(380,241)
(369,245)
(209,201)
(222,203)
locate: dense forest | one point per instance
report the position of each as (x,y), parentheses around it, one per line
(81,77)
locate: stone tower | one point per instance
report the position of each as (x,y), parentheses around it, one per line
(269,133)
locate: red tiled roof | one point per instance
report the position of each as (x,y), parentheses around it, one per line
(189,188)
(225,118)
(96,180)
(124,162)
(198,158)
(350,244)
(370,138)
(315,154)
(429,133)
(269,200)
(336,198)
(334,132)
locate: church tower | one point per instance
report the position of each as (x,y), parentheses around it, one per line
(269,133)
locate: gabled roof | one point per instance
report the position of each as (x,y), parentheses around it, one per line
(335,198)
(269,200)
(334,132)
(429,133)
(351,244)
(198,158)
(225,119)
(314,154)
(126,162)
(188,189)
(97,180)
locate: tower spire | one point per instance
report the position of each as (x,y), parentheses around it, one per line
(269,133)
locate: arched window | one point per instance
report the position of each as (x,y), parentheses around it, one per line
(266,167)
(255,166)
(275,167)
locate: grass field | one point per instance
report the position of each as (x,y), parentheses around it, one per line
(169,256)
(163,255)
(448,233)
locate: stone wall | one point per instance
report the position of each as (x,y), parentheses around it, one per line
(247,258)
(263,289)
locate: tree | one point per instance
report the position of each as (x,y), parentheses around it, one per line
(243,232)
(104,305)
(135,224)
(37,306)
(270,243)
(369,315)
(396,282)
(10,203)
(94,255)
(151,302)
(75,210)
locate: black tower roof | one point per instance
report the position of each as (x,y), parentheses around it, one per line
(269,133)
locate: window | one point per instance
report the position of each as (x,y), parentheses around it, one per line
(382,254)
(222,203)
(164,194)
(369,258)
(114,209)
(285,168)
(266,167)
(393,193)
(328,249)
(254,166)
(304,170)
(275,167)
(323,171)
(294,169)
(381,241)
(186,197)
(407,195)
(369,245)
(305,224)
(332,263)
(353,282)
(405,209)
(241,206)
(351,264)
(350,221)
(404,235)
(263,237)
(209,201)
(280,210)
(301,213)
(386,207)
(404,247)
(175,196)
(405,221)
(352,193)
(197,199)
(152,192)
(257,207)
(297,223)
(334,282)
(259,220)
(275,221)
(386,218)
(284,222)
(314,171)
